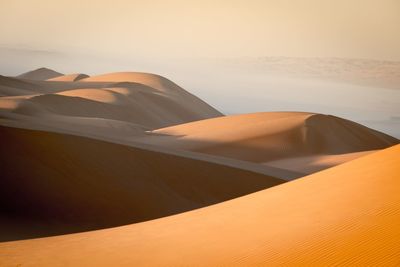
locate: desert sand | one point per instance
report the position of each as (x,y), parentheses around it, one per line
(347,215)
(130,169)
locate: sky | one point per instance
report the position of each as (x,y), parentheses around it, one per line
(206,28)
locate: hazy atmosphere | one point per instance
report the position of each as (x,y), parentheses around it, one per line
(267,55)
(177,28)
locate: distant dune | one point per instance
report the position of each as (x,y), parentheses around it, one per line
(347,215)
(145,99)
(40,74)
(299,141)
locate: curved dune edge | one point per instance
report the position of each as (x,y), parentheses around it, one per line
(57,183)
(347,215)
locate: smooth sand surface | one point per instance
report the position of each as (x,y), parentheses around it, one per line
(56,183)
(275,137)
(347,215)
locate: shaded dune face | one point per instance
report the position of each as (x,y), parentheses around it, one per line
(56,183)
(332,135)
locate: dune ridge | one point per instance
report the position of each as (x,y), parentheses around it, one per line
(346,215)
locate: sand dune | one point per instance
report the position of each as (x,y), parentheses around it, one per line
(135,104)
(159,83)
(56,183)
(347,215)
(274,137)
(40,74)
(70,77)
(130,98)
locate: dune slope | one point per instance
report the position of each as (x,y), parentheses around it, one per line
(275,136)
(57,183)
(347,215)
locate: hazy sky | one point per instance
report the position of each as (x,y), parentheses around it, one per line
(162,28)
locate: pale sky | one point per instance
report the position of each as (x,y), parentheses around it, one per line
(207,28)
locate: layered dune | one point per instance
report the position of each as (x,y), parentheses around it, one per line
(148,100)
(347,215)
(161,84)
(298,141)
(55,183)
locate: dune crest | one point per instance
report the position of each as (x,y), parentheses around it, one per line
(40,74)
